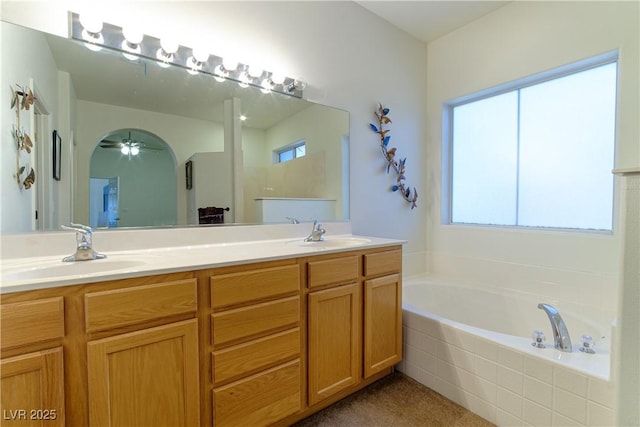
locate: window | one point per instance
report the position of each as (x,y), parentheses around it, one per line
(290,152)
(536,154)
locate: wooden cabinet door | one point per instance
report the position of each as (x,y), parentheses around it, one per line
(334,340)
(33,389)
(382,323)
(145,378)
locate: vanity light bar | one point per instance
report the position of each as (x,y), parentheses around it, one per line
(112,37)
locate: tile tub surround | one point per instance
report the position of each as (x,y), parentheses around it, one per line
(502,385)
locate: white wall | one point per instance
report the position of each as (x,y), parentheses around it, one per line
(518,40)
(18,67)
(515,41)
(333,46)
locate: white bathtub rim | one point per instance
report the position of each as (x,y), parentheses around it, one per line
(605,320)
(501,290)
(596,365)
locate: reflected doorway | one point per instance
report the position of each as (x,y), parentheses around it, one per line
(134,175)
(103,202)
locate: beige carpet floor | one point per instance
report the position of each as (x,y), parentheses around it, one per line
(394,401)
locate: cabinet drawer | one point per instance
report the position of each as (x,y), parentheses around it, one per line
(30,322)
(332,271)
(248,322)
(261,399)
(383,262)
(122,307)
(247,358)
(248,286)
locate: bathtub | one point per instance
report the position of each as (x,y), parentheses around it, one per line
(474,347)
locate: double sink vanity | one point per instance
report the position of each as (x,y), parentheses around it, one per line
(258,328)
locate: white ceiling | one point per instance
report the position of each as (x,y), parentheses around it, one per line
(427,20)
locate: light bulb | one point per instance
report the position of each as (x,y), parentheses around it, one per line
(255,71)
(165,53)
(131,43)
(125,150)
(243,117)
(266,86)
(169,46)
(91,23)
(91,27)
(135,150)
(200,54)
(220,73)
(131,51)
(132,35)
(93,40)
(277,78)
(196,61)
(244,79)
(230,64)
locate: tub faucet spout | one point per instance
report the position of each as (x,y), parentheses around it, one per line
(561,338)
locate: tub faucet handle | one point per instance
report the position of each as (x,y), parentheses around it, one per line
(538,339)
(587,344)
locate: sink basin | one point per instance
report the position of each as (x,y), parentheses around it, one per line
(334,242)
(51,269)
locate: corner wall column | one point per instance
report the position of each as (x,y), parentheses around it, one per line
(233,145)
(628,358)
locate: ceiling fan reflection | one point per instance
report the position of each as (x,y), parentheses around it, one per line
(127,146)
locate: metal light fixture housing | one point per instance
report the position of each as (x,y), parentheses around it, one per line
(183,57)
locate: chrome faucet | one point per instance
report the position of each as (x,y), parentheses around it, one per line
(316,233)
(561,338)
(84,251)
(293,220)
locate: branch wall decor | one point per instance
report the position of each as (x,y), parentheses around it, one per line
(389,154)
(22,99)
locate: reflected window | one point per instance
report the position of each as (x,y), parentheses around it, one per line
(539,154)
(290,152)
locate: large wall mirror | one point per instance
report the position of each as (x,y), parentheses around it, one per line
(142,132)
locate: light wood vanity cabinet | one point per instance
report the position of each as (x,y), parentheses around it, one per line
(382,310)
(258,344)
(334,326)
(32,376)
(256,340)
(128,371)
(355,321)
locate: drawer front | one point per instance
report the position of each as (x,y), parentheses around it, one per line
(383,263)
(332,271)
(244,359)
(261,399)
(31,322)
(122,307)
(248,286)
(248,322)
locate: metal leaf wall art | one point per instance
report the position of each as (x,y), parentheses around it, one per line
(390,156)
(22,99)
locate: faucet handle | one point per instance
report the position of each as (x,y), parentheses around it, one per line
(538,338)
(78,228)
(587,344)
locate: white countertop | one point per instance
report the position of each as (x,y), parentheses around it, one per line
(38,272)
